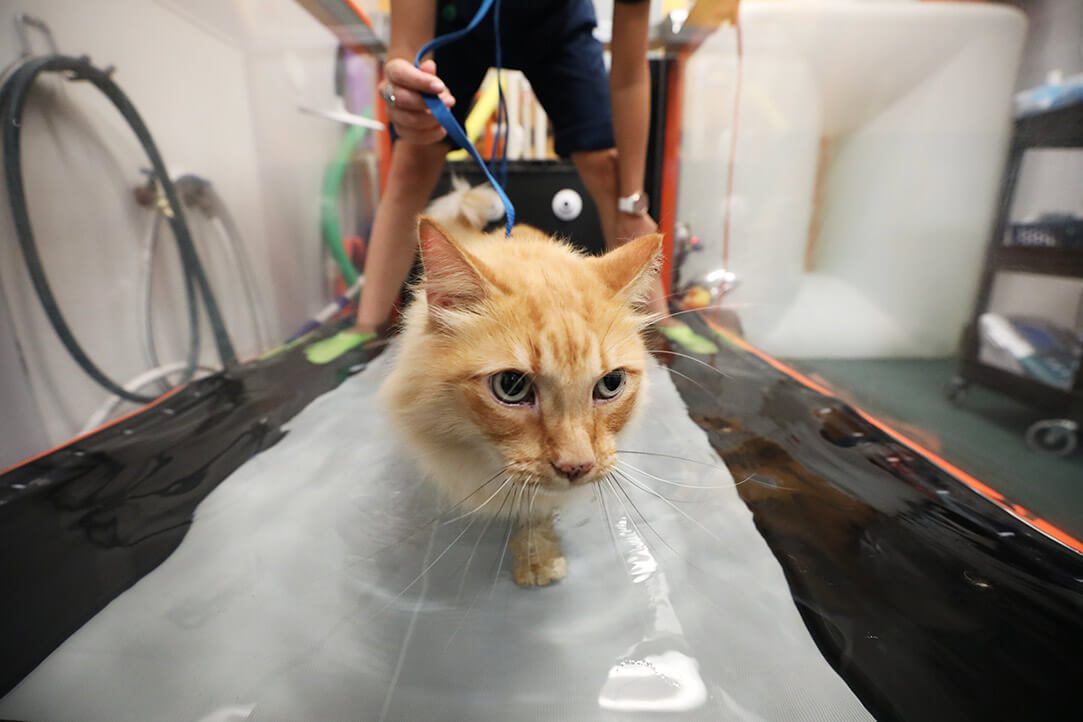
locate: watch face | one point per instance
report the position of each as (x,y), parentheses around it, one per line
(636,203)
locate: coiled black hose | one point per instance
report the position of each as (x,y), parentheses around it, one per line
(13,98)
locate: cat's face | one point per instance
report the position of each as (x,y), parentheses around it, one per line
(528,352)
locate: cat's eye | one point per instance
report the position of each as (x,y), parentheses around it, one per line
(610,385)
(512,387)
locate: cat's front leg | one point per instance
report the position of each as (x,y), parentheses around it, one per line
(538,560)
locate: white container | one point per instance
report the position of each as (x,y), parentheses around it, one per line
(870,143)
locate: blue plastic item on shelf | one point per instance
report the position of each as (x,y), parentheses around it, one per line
(1058,93)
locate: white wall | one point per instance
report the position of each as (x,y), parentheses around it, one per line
(217,83)
(1054,39)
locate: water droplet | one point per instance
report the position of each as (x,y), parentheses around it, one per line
(977,581)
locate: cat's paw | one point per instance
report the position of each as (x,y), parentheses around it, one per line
(539,572)
(539,560)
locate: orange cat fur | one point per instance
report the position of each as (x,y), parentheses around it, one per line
(521,360)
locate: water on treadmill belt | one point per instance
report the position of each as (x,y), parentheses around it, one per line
(313,585)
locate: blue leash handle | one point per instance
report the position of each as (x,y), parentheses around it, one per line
(451,125)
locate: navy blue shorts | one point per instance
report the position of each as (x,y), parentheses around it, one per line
(552,42)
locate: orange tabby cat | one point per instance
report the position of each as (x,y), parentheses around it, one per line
(521,360)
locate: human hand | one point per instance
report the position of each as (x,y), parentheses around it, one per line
(402,89)
(633,226)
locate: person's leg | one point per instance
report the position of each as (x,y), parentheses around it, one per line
(571,82)
(573,85)
(598,170)
(415,169)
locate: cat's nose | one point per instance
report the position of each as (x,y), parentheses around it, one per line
(572,470)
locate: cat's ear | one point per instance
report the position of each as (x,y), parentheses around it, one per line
(630,269)
(453,278)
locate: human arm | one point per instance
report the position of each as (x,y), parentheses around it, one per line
(630,87)
(412,25)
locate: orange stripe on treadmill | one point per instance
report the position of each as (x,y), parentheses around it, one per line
(981,488)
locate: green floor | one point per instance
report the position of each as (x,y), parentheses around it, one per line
(982,435)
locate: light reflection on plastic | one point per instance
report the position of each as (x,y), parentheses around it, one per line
(652,676)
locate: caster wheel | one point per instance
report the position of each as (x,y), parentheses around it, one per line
(956,390)
(1053,436)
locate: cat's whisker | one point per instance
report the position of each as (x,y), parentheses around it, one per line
(466,498)
(697,384)
(609,526)
(507,480)
(446,550)
(477,542)
(466,570)
(530,527)
(671,505)
(616,314)
(656,318)
(523,499)
(617,491)
(462,620)
(625,464)
(682,458)
(647,322)
(671,456)
(712,307)
(640,331)
(507,539)
(643,517)
(680,501)
(537,490)
(704,364)
(431,564)
(434,520)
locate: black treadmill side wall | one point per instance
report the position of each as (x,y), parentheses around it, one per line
(85,522)
(930,601)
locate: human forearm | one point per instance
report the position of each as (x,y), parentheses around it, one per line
(630,87)
(413,23)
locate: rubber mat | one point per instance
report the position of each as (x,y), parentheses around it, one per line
(314,583)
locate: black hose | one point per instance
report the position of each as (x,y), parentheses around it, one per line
(191,297)
(13,97)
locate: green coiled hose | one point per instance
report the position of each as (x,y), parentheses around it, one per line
(329,201)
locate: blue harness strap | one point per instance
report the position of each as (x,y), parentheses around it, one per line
(448,121)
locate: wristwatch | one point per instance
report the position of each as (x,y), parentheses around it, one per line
(634,205)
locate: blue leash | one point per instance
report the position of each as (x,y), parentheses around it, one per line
(451,125)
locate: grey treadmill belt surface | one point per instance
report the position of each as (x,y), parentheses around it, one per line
(293,597)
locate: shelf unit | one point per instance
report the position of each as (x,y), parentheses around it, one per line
(1061,128)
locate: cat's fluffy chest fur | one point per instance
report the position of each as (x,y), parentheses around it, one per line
(519,364)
